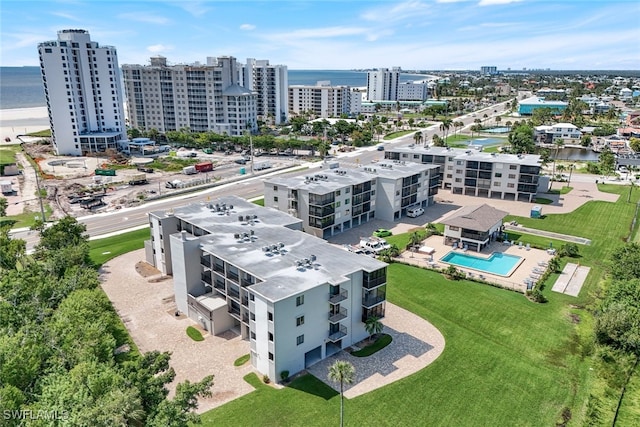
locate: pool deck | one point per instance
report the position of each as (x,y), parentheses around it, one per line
(516,280)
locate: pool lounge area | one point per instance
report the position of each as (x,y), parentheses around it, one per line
(497,263)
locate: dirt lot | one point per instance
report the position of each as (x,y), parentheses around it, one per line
(72,187)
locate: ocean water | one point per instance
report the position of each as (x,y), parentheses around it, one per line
(21,87)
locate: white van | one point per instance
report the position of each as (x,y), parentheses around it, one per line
(414,211)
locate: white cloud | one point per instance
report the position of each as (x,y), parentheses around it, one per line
(144,17)
(197,9)
(65,15)
(402,11)
(247,27)
(158,48)
(317,33)
(494,2)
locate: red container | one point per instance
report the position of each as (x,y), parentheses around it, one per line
(204,167)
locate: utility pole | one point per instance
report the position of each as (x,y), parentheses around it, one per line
(39,194)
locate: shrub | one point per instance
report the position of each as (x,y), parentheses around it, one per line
(284,376)
(266,379)
(194,334)
(453,273)
(536,296)
(241,360)
(570,249)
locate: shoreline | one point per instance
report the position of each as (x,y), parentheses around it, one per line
(20,121)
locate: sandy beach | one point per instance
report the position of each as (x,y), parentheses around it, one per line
(20,121)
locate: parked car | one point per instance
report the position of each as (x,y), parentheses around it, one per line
(241,161)
(380,148)
(382,232)
(415,212)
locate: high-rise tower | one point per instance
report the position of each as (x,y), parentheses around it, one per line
(82,88)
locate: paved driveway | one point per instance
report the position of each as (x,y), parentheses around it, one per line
(147,310)
(416,343)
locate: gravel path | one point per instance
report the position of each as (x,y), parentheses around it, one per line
(416,343)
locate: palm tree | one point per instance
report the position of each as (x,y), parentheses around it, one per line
(561,168)
(571,167)
(415,238)
(558,142)
(373,326)
(417,137)
(343,372)
(444,127)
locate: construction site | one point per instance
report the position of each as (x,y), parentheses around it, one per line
(111,180)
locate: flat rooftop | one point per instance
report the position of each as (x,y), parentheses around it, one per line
(334,179)
(470,154)
(287,261)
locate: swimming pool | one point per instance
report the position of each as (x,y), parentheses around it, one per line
(498,263)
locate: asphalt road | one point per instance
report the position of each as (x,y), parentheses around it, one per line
(108,223)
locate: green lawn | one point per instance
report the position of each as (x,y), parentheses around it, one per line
(102,250)
(596,220)
(194,334)
(28,219)
(380,343)
(507,361)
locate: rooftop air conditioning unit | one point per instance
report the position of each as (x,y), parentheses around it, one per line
(313,258)
(266,249)
(236,236)
(240,218)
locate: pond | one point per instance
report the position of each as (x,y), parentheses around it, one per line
(575,154)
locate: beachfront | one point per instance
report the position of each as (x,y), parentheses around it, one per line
(21,121)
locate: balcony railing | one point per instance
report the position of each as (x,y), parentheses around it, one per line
(219,286)
(335,317)
(205,261)
(233,293)
(374,282)
(371,300)
(234,311)
(338,335)
(337,298)
(206,277)
(232,276)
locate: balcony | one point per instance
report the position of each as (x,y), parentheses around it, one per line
(336,316)
(372,300)
(235,312)
(338,335)
(374,282)
(205,261)
(232,292)
(232,276)
(206,277)
(219,286)
(339,297)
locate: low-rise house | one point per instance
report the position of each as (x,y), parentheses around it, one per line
(546,134)
(473,227)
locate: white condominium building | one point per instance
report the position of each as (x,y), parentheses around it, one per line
(413,91)
(237,266)
(84,98)
(196,96)
(271,86)
(339,199)
(323,100)
(474,173)
(382,84)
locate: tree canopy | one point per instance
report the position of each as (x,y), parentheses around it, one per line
(58,335)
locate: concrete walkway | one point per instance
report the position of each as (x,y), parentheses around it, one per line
(416,343)
(557,236)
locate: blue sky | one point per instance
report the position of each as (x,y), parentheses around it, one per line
(328,34)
